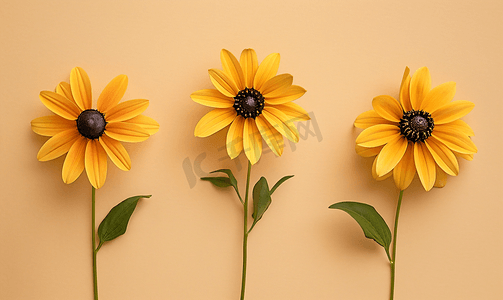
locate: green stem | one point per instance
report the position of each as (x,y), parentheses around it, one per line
(93,221)
(245,232)
(392,262)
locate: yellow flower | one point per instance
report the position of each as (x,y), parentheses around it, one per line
(87,134)
(423,132)
(256,103)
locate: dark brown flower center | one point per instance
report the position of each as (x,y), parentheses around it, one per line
(249,103)
(416,125)
(91,124)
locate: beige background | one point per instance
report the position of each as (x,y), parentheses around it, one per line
(185,242)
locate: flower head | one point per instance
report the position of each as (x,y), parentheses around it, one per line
(422,132)
(254,101)
(88,134)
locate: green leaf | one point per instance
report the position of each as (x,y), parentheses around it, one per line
(218,181)
(279,183)
(373,225)
(232,179)
(115,223)
(261,199)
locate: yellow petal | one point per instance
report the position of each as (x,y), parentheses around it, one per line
(222,83)
(249,65)
(452,111)
(272,137)
(212,98)
(267,70)
(374,174)
(370,118)
(81,88)
(405,170)
(425,165)
(74,161)
(459,126)
(126,110)
(64,89)
(388,108)
(126,132)
(420,85)
(292,93)
(58,145)
(214,121)
(441,179)
(443,156)
(276,86)
(112,93)
(405,91)
(147,123)
(234,142)
(116,152)
(281,123)
(252,141)
(232,68)
(293,111)
(96,163)
(390,155)
(60,105)
(438,97)
(51,125)
(367,152)
(455,141)
(377,135)
(468,157)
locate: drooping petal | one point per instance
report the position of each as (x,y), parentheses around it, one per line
(147,123)
(388,108)
(294,111)
(223,83)
(65,90)
(267,70)
(390,155)
(405,170)
(126,132)
(252,141)
(452,111)
(232,68)
(116,152)
(96,163)
(420,85)
(112,93)
(441,179)
(281,123)
(377,135)
(212,98)
(60,105)
(370,118)
(126,110)
(367,152)
(58,145)
(276,86)
(443,156)
(271,136)
(214,121)
(405,91)
(292,93)
(374,173)
(51,125)
(81,88)
(74,161)
(234,141)
(438,97)
(456,141)
(459,126)
(425,165)
(249,65)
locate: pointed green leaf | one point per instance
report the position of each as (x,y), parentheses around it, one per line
(218,181)
(115,223)
(232,179)
(261,199)
(373,225)
(279,183)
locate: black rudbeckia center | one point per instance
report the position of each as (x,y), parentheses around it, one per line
(416,125)
(249,103)
(91,124)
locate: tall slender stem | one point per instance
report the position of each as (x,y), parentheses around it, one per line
(245,232)
(393,256)
(93,244)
